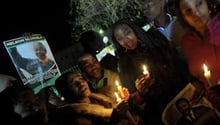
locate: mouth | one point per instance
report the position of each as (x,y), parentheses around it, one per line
(83,89)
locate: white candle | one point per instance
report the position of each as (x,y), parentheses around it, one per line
(118,99)
(119,88)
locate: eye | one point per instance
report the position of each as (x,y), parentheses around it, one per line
(199,3)
(187,11)
(118,39)
(127,32)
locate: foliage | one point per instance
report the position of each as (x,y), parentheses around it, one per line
(101,14)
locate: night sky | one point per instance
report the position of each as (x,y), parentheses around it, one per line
(47,17)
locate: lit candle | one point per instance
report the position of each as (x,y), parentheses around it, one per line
(145,71)
(118,99)
(207,74)
(119,87)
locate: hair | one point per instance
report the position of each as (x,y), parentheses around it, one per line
(149,39)
(91,41)
(62,85)
(41,45)
(211,5)
(181,100)
(18,92)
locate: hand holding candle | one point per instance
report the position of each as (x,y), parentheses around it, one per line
(143,82)
(120,89)
(207,74)
(122,103)
(118,99)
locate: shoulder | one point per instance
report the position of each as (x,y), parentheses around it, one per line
(214,23)
(108,71)
(201,109)
(189,37)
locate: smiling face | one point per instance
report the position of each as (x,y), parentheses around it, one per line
(40,50)
(91,66)
(183,106)
(126,37)
(195,13)
(79,86)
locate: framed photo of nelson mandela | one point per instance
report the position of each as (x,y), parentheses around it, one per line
(33,60)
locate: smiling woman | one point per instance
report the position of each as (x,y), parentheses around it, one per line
(136,47)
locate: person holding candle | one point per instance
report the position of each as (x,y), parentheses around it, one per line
(101,80)
(82,107)
(202,44)
(104,81)
(167,72)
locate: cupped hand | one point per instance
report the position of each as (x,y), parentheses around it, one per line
(142,82)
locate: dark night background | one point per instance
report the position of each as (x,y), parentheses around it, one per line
(47,17)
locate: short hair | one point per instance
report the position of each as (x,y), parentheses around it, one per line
(61,84)
(79,60)
(41,45)
(181,100)
(91,41)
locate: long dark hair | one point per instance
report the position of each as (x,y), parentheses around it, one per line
(148,39)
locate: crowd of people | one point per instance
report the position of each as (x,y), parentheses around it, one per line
(173,51)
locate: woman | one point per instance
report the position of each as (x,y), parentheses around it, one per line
(82,107)
(136,48)
(202,44)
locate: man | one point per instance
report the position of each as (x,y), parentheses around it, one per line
(156,12)
(100,80)
(200,115)
(43,63)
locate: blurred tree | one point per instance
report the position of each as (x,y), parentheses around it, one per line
(100,14)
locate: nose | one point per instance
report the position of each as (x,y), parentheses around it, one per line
(124,41)
(196,13)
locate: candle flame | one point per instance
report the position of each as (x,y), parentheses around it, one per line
(205,68)
(118,99)
(207,74)
(145,71)
(117,83)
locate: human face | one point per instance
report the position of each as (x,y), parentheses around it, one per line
(78,86)
(126,37)
(153,9)
(91,66)
(195,13)
(40,51)
(184,107)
